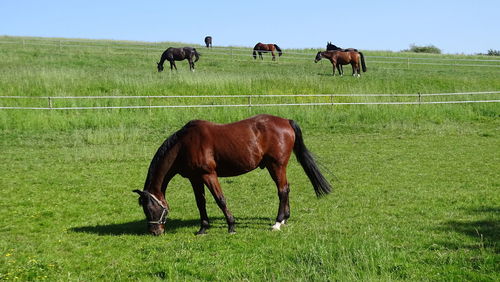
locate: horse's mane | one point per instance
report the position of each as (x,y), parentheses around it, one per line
(167,145)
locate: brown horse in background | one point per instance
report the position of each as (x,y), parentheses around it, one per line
(266,48)
(208,41)
(339,58)
(202,151)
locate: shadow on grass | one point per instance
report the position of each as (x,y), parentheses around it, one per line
(139,227)
(486,231)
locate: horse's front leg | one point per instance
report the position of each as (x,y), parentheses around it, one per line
(260,56)
(340,70)
(213,185)
(274,57)
(199,193)
(172,65)
(278,173)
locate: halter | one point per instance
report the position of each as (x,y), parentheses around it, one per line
(163,218)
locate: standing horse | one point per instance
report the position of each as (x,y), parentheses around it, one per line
(266,48)
(338,58)
(332,47)
(178,54)
(202,151)
(208,41)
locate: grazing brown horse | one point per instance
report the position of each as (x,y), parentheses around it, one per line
(338,58)
(178,54)
(266,48)
(202,151)
(208,41)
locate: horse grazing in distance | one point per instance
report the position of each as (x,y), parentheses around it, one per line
(178,54)
(266,48)
(338,58)
(331,47)
(202,151)
(208,41)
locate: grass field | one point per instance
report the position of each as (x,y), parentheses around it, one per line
(416,187)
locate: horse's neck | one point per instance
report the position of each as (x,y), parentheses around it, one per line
(161,171)
(163,58)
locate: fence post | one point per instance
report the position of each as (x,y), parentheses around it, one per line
(408,63)
(50,102)
(419,97)
(249,101)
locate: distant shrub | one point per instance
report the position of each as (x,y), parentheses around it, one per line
(423,49)
(492,52)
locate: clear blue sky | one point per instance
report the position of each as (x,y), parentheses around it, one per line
(454,26)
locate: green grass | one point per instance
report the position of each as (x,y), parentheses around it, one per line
(416,188)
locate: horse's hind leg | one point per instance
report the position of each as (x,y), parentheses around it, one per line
(199,193)
(191,65)
(213,185)
(355,69)
(278,173)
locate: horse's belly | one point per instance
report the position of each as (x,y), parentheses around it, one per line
(232,168)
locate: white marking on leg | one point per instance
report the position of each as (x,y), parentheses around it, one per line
(276,226)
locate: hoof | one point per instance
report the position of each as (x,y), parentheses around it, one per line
(277,225)
(202,231)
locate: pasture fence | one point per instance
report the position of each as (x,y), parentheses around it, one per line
(240,52)
(249,100)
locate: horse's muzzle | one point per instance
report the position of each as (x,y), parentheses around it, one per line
(156,229)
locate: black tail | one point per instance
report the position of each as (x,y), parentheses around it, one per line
(362,61)
(279,50)
(306,160)
(196,54)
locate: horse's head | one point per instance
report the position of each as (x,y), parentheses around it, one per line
(318,57)
(160,67)
(155,210)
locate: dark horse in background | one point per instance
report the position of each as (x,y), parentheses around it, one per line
(178,54)
(208,41)
(339,58)
(331,47)
(266,48)
(202,151)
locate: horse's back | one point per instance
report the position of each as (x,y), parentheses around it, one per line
(238,147)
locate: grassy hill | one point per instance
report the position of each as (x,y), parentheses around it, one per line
(416,191)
